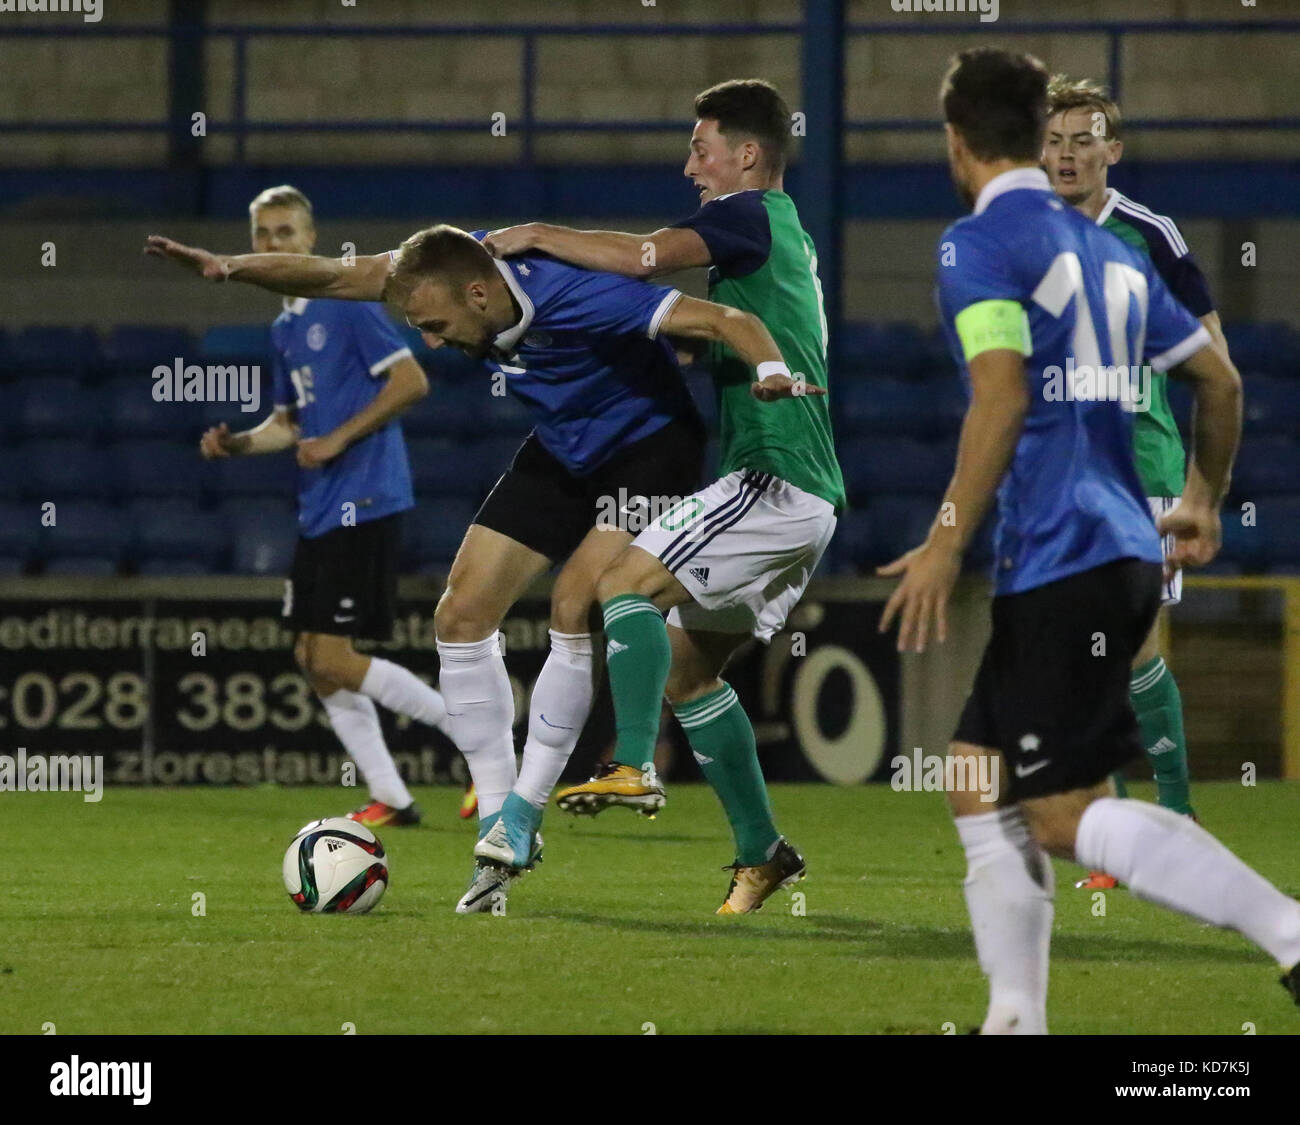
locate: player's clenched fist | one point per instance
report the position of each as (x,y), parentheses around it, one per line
(1197,535)
(215,442)
(205,264)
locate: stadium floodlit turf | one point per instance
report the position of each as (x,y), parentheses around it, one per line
(614,932)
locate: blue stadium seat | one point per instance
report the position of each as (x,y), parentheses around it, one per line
(57,470)
(132,413)
(506,416)
(88,530)
(175,531)
(136,349)
(898,523)
(161,468)
(10,400)
(20,531)
(13,473)
(80,566)
(271,474)
(237,343)
(894,350)
(1242,545)
(705,395)
(54,351)
(887,466)
(897,408)
(263,536)
(433,532)
(1265,466)
(852,544)
(174,568)
(11,566)
(1278,525)
(456,409)
(1273,348)
(1270,405)
(443,468)
(57,407)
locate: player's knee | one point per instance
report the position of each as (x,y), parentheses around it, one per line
(685,686)
(615,581)
(459,619)
(571,610)
(1055,833)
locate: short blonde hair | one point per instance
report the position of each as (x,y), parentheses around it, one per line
(286,195)
(1065,93)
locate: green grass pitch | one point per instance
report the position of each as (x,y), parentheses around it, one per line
(613,932)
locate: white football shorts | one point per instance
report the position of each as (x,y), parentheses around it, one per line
(745,548)
(1171,592)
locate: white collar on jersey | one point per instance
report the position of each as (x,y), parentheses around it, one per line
(295,305)
(1017,179)
(1112,197)
(507,341)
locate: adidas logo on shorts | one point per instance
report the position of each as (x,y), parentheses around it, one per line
(701,575)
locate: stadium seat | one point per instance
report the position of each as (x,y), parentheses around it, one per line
(20,532)
(131,412)
(65,469)
(263,535)
(887,466)
(237,343)
(1278,526)
(80,566)
(1242,545)
(54,351)
(457,409)
(1273,349)
(57,407)
(13,473)
(11,566)
(898,523)
(173,568)
(444,468)
(271,474)
(161,468)
(895,350)
(1266,466)
(175,531)
(851,547)
(136,349)
(506,416)
(901,409)
(432,533)
(88,530)
(1270,405)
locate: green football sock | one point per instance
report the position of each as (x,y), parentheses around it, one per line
(637,655)
(1159,708)
(722,741)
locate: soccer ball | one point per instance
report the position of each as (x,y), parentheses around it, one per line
(335,866)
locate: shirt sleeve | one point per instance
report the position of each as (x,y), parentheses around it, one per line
(606,304)
(1173,333)
(737,231)
(979,296)
(377,338)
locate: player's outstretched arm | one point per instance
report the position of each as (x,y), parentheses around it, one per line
(276,432)
(631,255)
(294,275)
(405,386)
(745,335)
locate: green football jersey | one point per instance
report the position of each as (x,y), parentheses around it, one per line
(764,263)
(1157,444)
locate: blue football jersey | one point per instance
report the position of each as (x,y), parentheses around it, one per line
(587,359)
(330,362)
(1087,311)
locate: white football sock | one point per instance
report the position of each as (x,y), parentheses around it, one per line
(356,723)
(561,703)
(1171,860)
(481,716)
(1009,893)
(401,690)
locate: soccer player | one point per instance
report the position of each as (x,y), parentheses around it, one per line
(342,377)
(1083,142)
(1028,289)
(734,559)
(586,352)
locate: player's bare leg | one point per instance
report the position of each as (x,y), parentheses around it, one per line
(561,700)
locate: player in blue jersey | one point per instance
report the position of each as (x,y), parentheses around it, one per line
(342,376)
(1052,319)
(587,353)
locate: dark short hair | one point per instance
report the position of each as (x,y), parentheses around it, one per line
(441,253)
(997,101)
(749,109)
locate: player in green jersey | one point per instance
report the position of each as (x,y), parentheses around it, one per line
(731,561)
(1082,143)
